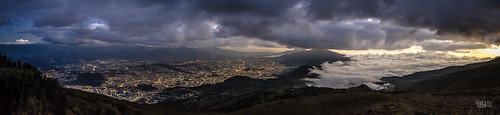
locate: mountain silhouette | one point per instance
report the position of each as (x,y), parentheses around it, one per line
(313,57)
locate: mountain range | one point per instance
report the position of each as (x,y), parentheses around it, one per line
(47,56)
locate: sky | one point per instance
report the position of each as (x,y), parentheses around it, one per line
(458,27)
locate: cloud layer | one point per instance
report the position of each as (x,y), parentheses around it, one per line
(370,68)
(334,24)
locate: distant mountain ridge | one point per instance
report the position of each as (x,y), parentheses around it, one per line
(49,55)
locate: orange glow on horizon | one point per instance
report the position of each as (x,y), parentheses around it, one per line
(492,52)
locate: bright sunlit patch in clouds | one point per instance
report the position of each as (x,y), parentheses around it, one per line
(22,41)
(97,24)
(494,51)
(94,26)
(214,26)
(19,41)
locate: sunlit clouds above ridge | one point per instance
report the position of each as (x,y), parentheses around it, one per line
(479,50)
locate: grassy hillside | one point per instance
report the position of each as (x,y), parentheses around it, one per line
(425,75)
(359,100)
(369,103)
(486,76)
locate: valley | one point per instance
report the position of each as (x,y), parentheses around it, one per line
(121,78)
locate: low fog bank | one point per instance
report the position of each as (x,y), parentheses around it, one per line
(369,68)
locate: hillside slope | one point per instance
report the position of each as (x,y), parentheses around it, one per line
(484,76)
(425,75)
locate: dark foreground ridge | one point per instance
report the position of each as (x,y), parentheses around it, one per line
(23,90)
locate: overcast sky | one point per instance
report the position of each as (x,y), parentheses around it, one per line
(403,36)
(435,25)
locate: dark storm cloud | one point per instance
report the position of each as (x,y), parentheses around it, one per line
(234,7)
(339,24)
(3,21)
(260,7)
(471,18)
(13,9)
(341,9)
